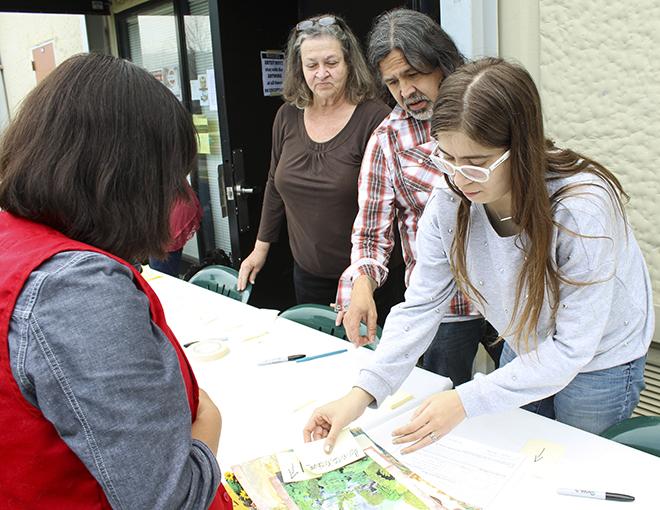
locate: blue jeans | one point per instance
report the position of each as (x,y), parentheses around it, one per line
(592,401)
(171,265)
(452,351)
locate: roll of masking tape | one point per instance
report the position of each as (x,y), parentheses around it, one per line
(208,350)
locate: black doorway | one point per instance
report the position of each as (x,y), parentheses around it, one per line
(250,116)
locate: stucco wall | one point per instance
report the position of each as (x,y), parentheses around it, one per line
(600,83)
(597,68)
(20,33)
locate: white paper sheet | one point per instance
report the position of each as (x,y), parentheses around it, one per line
(272,72)
(467,470)
(210,83)
(291,469)
(313,458)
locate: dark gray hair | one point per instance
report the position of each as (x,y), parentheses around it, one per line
(424,44)
(360,84)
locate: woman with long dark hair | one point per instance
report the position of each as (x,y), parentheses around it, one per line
(538,238)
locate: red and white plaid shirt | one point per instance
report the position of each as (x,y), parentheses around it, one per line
(396,179)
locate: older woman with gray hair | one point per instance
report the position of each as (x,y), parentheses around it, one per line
(319,137)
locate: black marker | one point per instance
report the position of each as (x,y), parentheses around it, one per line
(610,496)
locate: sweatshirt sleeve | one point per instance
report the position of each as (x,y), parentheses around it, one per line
(411,325)
(587,237)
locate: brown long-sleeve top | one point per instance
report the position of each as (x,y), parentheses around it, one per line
(315,185)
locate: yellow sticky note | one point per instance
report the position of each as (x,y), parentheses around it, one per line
(203,143)
(398,399)
(540,451)
(300,407)
(149,274)
(200,120)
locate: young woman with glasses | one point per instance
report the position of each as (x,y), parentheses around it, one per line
(537,236)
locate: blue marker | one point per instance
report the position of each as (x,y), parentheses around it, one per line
(316,356)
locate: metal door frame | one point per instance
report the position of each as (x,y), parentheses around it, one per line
(181,9)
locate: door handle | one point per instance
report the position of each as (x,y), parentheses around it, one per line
(240,190)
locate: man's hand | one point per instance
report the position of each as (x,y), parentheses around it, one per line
(361,309)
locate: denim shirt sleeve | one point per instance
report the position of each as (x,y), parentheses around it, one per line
(84,351)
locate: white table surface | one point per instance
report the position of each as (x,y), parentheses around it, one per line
(265,407)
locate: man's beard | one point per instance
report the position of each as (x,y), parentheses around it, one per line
(424,114)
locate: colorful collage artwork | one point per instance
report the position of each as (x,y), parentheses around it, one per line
(361,485)
(377,481)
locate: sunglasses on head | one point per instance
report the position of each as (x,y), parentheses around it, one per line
(325,21)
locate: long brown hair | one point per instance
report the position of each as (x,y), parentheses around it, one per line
(496,104)
(99,151)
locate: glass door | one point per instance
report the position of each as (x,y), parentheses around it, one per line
(204,107)
(172,40)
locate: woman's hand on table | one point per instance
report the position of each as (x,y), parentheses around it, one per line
(251,266)
(329,420)
(361,310)
(434,418)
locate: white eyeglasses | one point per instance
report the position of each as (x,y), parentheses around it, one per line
(472,172)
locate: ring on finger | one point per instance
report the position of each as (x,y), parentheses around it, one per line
(434,436)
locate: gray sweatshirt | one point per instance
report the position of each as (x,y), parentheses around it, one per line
(604,324)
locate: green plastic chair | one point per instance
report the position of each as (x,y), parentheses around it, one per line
(322,318)
(641,433)
(221,279)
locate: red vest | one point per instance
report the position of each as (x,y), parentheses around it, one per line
(37,468)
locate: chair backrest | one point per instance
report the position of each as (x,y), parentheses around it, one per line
(322,318)
(641,432)
(221,279)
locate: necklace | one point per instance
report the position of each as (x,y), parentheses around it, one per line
(506,218)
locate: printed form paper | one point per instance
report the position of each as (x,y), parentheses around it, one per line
(468,470)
